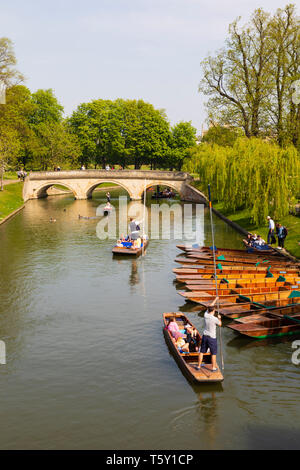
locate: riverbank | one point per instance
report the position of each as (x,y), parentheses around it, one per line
(10,199)
(243,219)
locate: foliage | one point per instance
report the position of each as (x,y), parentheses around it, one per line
(249,82)
(9,75)
(221,135)
(254,174)
(125,132)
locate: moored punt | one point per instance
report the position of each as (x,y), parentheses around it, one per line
(188,362)
(209,269)
(261,314)
(244,282)
(185,261)
(265,283)
(187,248)
(235,310)
(269,327)
(129,250)
(197,259)
(199,296)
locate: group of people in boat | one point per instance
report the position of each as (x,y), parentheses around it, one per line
(188,339)
(255,241)
(274,229)
(135,239)
(166,193)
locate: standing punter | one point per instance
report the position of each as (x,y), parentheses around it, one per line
(209,338)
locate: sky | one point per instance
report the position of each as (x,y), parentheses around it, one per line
(130,49)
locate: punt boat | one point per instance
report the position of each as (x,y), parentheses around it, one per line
(188,362)
(129,250)
(268,326)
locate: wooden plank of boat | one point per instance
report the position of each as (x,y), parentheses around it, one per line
(238,285)
(243,255)
(239,261)
(269,328)
(236,291)
(238,253)
(188,362)
(199,274)
(235,311)
(199,297)
(240,282)
(129,251)
(235,268)
(261,314)
(186,248)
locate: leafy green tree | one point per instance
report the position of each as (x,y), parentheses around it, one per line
(9,75)
(249,81)
(46,109)
(56,146)
(221,135)
(253,174)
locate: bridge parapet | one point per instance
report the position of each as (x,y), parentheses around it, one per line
(83,182)
(108,174)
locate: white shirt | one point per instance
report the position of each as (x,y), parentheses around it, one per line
(210,323)
(271,224)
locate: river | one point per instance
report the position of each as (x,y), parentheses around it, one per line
(87,363)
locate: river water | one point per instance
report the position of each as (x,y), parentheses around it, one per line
(87,363)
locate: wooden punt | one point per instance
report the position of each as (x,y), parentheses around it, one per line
(239,261)
(196,285)
(261,314)
(199,297)
(187,248)
(209,269)
(129,251)
(237,265)
(269,327)
(236,309)
(246,282)
(189,361)
(227,272)
(239,291)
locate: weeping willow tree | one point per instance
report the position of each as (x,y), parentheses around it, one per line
(253,174)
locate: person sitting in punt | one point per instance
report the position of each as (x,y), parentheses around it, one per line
(259,241)
(192,338)
(173,328)
(181,344)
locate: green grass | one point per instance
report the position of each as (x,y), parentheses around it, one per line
(291,222)
(10,175)
(10,199)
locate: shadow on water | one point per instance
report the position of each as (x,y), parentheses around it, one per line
(270,438)
(240,342)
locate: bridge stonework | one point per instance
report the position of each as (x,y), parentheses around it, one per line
(83,182)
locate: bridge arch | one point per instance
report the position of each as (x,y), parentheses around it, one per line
(41,191)
(162,183)
(93,186)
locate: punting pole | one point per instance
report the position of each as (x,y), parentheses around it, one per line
(144,216)
(215,270)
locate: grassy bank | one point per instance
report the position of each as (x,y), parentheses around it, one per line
(10,199)
(243,218)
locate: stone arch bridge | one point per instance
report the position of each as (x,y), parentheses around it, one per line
(83,182)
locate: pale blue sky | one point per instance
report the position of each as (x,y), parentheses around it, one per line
(110,49)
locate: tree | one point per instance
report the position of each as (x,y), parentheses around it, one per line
(183,140)
(9,149)
(254,174)
(249,81)
(46,109)
(56,146)
(121,132)
(221,135)
(9,75)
